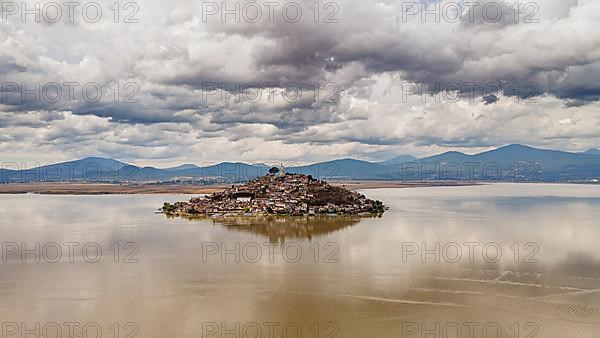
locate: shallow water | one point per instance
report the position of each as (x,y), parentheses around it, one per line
(502,260)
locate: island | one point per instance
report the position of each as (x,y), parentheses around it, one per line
(280,194)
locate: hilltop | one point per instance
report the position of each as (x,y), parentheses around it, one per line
(512,163)
(285,194)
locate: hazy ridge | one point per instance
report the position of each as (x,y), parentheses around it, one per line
(509,163)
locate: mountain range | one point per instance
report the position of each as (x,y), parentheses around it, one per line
(509,163)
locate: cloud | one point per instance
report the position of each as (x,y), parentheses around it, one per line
(180,78)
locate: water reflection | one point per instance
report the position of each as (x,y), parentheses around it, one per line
(277,228)
(369,292)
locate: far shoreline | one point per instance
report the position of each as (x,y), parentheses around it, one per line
(70,188)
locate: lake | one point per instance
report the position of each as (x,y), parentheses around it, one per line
(499,260)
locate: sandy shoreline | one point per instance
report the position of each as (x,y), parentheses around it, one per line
(107,188)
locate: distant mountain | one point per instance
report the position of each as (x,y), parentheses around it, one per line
(261,165)
(514,162)
(592,152)
(183,166)
(342,169)
(234,170)
(87,169)
(509,163)
(399,159)
(97,169)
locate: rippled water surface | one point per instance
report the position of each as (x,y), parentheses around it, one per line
(504,260)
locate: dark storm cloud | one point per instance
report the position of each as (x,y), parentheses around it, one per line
(579,85)
(440,55)
(189,74)
(436,54)
(490,99)
(32,119)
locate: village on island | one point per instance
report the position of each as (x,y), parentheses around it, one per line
(279,193)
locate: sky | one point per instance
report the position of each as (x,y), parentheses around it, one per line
(169,82)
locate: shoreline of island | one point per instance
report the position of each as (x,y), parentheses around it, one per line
(70,188)
(279,193)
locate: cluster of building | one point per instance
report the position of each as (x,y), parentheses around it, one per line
(288,194)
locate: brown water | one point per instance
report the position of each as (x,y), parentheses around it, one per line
(325,277)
